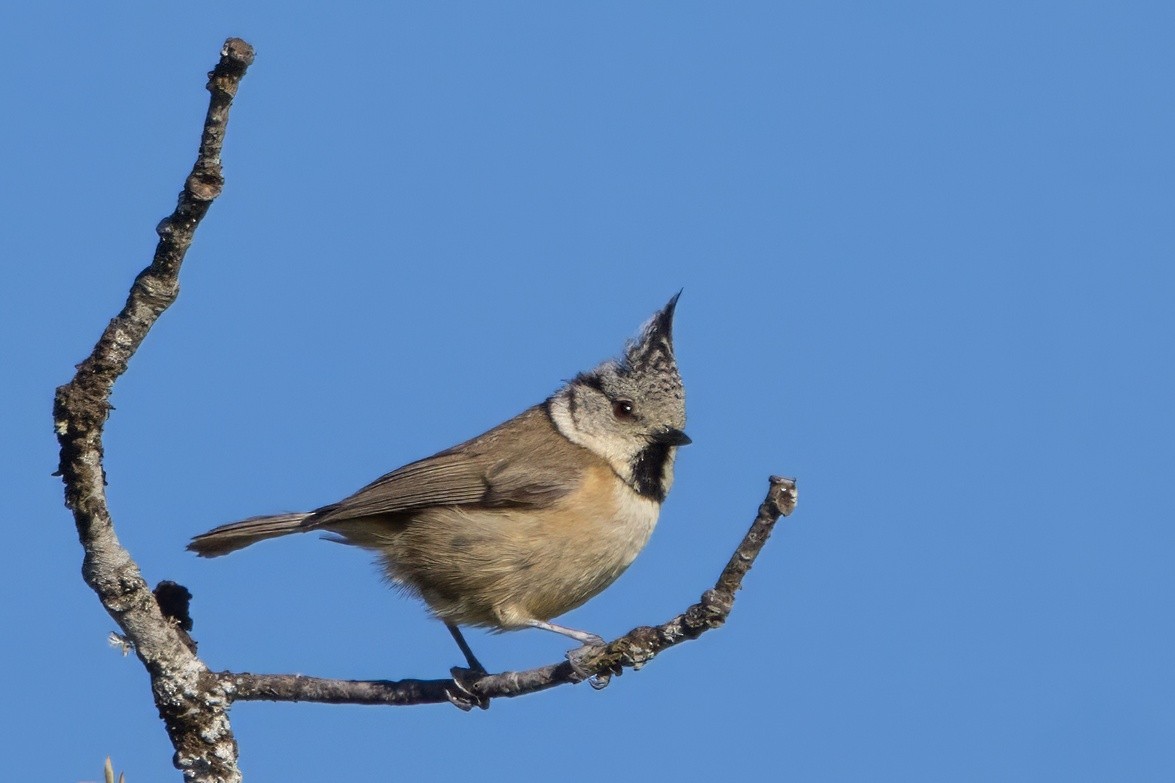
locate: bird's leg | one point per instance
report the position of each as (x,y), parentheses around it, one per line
(575,657)
(466,699)
(470,658)
(583,637)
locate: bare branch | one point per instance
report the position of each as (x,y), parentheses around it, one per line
(197,724)
(632,650)
(193,701)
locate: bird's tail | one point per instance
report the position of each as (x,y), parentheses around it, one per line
(238,535)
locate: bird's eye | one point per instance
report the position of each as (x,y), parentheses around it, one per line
(622,409)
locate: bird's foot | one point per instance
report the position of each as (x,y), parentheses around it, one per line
(578,658)
(463,696)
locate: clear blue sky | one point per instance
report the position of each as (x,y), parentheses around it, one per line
(926,252)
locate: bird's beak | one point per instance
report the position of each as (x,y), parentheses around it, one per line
(672,436)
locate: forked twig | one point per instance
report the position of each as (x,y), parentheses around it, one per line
(193,701)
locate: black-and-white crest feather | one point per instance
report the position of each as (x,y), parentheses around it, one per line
(631,410)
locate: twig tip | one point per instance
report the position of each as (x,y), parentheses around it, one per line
(239,50)
(783,494)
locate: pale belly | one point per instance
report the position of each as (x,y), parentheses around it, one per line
(500,568)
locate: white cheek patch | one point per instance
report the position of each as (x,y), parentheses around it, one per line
(611,449)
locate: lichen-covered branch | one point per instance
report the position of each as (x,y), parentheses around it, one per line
(193,701)
(195,717)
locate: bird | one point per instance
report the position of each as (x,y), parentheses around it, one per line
(528,520)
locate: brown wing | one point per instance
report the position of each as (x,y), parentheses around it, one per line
(523,462)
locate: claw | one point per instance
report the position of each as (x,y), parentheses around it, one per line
(598,680)
(459,701)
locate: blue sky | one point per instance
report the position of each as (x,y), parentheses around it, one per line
(926,258)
